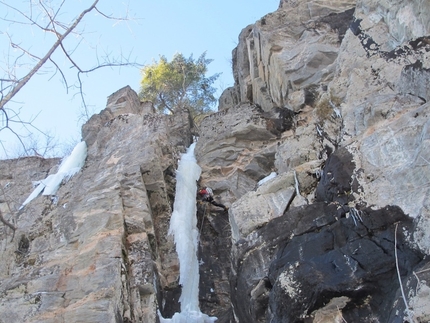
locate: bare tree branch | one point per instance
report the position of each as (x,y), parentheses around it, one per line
(43,60)
(15,118)
(44,17)
(62,74)
(31,21)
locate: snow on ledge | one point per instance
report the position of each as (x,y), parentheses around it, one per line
(267,178)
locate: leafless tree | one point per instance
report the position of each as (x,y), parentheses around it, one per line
(40,145)
(46,17)
(3,220)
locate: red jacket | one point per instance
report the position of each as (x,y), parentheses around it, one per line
(205,193)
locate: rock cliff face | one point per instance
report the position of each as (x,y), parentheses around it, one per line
(98,251)
(330,95)
(333,97)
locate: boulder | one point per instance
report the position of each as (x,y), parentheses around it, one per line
(228,98)
(256,208)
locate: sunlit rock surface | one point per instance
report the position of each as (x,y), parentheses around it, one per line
(99,251)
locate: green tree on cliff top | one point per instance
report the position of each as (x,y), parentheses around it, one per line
(179,84)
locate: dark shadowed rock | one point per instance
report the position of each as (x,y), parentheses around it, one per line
(311,256)
(336,183)
(343,259)
(215,266)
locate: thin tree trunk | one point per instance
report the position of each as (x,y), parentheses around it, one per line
(5,222)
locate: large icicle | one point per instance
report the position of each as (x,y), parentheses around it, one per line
(69,167)
(183,226)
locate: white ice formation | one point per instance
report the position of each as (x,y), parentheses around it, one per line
(69,167)
(183,226)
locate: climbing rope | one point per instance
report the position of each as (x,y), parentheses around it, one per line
(203,218)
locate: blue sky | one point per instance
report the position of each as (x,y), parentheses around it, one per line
(156,27)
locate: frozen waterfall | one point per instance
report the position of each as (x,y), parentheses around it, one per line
(183,226)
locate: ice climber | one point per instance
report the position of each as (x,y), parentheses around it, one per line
(206,194)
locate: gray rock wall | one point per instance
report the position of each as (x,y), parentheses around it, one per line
(353,169)
(289,50)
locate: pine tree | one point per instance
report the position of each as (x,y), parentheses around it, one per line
(179,84)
